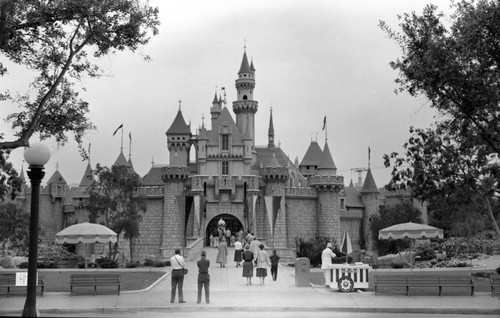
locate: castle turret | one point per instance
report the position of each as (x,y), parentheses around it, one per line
(245,107)
(87,176)
(270,133)
(369,196)
(179,141)
(216,107)
(309,164)
(328,185)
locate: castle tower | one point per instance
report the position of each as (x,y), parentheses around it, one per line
(369,196)
(245,107)
(216,108)
(179,141)
(270,133)
(328,185)
(309,164)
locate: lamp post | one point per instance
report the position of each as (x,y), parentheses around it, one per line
(36,155)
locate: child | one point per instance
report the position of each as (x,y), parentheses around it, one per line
(274,264)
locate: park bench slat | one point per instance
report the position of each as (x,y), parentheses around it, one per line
(8,283)
(95,280)
(495,284)
(424,281)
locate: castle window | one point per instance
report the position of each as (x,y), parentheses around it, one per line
(225,142)
(225,167)
(342,204)
(245,97)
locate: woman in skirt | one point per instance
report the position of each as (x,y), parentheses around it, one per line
(263,262)
(248,264)
(238,250)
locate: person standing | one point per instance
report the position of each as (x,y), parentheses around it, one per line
(222,253)
(238,250)
(263,262)
(177,262)
(274,264)
(227,233)
(326,260)
(203,277)
(254,246)
(240,237)
(248,264)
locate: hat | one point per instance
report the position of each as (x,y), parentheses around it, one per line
(329,245)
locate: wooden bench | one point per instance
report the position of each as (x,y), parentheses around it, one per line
(8,284)
(456,281)
(495,284)
(95,281)
(409,282)
(391,281)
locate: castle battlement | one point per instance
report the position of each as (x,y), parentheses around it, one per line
(326,181)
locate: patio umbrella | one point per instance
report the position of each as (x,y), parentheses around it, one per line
(86,233)
(411,231)
(346,246)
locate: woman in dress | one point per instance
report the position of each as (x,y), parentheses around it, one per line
(222,253)
(248,264)
(263,262)
(238,250)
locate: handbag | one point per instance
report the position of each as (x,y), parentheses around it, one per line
(183,268)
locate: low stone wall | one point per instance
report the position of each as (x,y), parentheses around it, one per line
(193,250)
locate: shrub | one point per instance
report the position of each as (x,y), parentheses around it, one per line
(426,253)
(312,248)
(132,264)
(397,264)
(106,262)
(6,262)
(498,270)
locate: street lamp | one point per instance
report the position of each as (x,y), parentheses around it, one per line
(36,155)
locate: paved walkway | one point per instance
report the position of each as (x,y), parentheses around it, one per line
(229,292)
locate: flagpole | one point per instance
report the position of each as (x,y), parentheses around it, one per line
(130,146)
(121,146)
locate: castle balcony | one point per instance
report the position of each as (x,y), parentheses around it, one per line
(174,173)
(245,105)
(277,174)
(245,82)
(152,191)
(301,193)
(224,183)
(326,182)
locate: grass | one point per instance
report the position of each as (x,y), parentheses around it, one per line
(58,281)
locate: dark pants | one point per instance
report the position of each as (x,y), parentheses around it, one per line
(177,281)
(204,282)
(274,271)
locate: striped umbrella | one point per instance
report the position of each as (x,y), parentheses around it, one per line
(346,246)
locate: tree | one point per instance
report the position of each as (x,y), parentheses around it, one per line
(457,69)
(14,225)
(452,174)
(387,216)
(60,41)
(113,202)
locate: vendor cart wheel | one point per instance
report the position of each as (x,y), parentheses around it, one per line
(345,284)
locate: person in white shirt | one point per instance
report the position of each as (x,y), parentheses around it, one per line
(178,264)
(326,260)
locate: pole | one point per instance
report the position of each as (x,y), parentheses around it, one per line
(35,174)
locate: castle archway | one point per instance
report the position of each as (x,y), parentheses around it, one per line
(232,223)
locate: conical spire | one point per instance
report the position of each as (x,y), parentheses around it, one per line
(252,68)
(326,165)
(121,160)
(313,155)
(87,176)
(216,100)
(270,133)
(179,126)
(369,186)
(245,67)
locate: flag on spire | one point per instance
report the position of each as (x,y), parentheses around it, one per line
(324,123)
(119,127)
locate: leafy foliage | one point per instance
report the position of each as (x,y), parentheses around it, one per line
(387,216)
(457,69)
(60,41)
(14,227)
(113,201)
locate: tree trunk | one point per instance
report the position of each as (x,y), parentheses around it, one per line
(493,221)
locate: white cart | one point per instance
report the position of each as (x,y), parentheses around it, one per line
(346,277)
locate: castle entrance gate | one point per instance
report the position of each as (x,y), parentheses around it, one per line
(232,223)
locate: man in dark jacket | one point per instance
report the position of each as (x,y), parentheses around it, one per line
(203,277)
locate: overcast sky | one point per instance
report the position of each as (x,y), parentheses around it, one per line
(312,59)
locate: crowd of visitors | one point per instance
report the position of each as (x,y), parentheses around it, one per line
(249,253)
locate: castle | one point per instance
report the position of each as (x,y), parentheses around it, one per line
(250,187)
